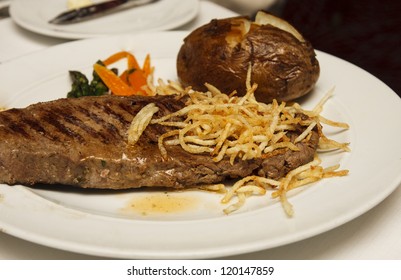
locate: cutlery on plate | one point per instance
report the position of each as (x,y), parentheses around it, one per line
(87,12)
(4,12)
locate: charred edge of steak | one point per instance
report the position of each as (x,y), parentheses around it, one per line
(83,142)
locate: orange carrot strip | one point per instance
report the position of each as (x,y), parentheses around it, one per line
(132,62)
(112,81)
(137,79)
(115,57)
(131,80)
(124,77)
(146,66)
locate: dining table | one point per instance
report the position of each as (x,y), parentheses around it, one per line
(373,235)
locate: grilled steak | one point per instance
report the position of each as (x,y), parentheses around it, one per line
(83,142)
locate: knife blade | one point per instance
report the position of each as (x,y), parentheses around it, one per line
(91,11)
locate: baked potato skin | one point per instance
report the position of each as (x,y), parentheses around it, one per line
(283,67)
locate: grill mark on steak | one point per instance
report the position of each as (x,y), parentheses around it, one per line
(111,112)
(76,155)
(106,134)
(33,124)
(128,107)
(36,126)
(12,117)
(49,117)
(23,123)
(79,124)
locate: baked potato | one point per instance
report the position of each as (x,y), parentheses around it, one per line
(283,64)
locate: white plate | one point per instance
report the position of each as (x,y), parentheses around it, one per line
(102,223)
(162,15)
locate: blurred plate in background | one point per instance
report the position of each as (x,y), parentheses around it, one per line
(162,15)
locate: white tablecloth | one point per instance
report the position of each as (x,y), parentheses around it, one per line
(374,235)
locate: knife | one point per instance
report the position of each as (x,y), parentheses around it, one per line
(88,12)
(4,12)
